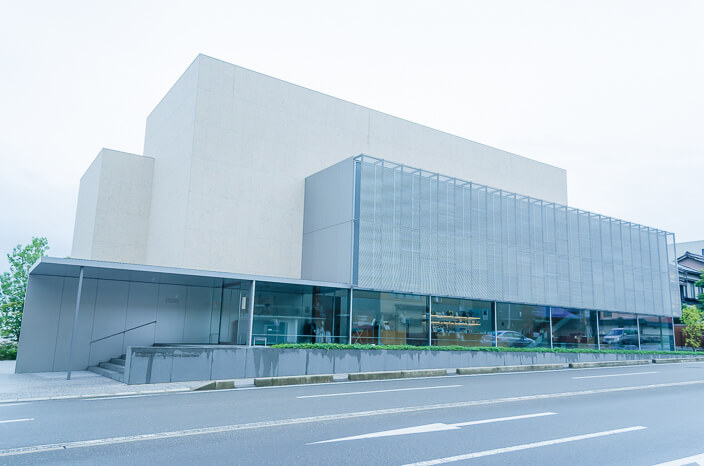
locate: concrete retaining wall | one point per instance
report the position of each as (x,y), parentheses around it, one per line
(188,363)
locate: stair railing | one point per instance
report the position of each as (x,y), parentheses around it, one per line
(124,331)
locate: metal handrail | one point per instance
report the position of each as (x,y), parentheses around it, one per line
(124,331)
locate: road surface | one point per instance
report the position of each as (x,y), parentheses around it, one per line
(636,415)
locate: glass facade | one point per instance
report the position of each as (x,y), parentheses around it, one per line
(389,318)
(574,328)
(287,313)
(461,322)
(292,313)
(234,316)
(656,333)
(522,326)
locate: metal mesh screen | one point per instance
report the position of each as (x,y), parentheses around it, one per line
(422,232)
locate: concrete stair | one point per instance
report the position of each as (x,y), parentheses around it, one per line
(114,368)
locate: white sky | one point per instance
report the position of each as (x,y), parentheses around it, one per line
(612,91)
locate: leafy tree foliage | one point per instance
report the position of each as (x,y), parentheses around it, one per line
(700,298)
(693,320)
(13,285)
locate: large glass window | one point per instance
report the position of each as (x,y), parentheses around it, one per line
(285,313)
(522,326)
(234,317)
(573,328)
(389,318)
(656,333)
(461,322)
(618,331)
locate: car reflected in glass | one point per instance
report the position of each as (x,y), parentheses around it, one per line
(508,338)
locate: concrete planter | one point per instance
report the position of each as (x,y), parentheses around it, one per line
(189,363)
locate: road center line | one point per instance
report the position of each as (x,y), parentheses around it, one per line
(324,418)
(525,446)
(378,391)
(614,375)
(16,420)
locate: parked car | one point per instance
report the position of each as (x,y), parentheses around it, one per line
(621,337)
(507,338)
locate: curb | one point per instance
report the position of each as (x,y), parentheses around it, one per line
(396,374)
(678,360)
(292,380)
(498,369)
(632,362)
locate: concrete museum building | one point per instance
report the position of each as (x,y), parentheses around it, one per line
(262,212)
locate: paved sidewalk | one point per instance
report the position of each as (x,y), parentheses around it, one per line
(53,385)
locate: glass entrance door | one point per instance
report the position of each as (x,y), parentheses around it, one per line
(234,318)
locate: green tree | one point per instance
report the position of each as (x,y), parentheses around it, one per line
(693,320)
(700,298)
(13,285)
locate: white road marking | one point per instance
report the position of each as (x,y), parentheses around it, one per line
(329,417)
(378,391)
(116,397)
(437,427)
(2,405)
(525,446)
(696,459)
(613,375)
(16,420)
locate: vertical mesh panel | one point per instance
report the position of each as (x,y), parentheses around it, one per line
(421,232)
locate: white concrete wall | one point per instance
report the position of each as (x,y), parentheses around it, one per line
(232,149)
(169,139)
(257,138)
(84,225)
(113,208)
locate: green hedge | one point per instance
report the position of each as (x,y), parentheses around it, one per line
(8,351)
(339,346)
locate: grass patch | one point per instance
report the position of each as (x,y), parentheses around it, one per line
(8,351)
(500,349)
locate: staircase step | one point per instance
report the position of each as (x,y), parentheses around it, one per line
(113,367)
(118,361)
(107,373)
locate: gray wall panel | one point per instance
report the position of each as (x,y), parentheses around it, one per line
(171,314)
(109,319)
(141,310)
(199,302)
(39,324)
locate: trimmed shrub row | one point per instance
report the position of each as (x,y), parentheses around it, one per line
(340,346)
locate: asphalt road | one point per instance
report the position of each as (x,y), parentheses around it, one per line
(637,415)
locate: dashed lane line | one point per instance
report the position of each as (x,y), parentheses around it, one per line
(525,446)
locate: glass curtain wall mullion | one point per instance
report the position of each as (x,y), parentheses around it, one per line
(349,322)
(290,313)
(598,331)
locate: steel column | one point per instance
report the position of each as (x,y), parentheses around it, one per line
(75,323)
(251,312)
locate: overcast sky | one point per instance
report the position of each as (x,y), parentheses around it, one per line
(611,91)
